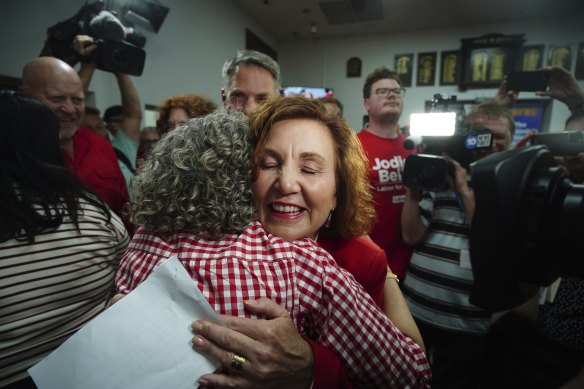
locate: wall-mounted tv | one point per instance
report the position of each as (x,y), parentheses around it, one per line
(307,91)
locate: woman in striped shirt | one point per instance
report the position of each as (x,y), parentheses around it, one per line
(59,244)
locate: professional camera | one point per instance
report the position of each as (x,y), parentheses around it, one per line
(527,225)
(561,143)
(429,171)
(434,134)
(119,49)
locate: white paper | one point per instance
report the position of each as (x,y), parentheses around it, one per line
(143,341)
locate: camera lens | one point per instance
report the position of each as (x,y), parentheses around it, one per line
(527,208)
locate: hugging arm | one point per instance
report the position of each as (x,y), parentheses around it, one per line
(374,351)
(276,355)
(396,309)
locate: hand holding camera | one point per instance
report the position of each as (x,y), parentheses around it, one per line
(506,96)
(563,86)
(105,41)
(84,45)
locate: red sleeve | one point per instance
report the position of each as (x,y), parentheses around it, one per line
(97,167)
(377,273)
(364,259)
(328,371)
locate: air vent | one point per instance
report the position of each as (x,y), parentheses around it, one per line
(351,11)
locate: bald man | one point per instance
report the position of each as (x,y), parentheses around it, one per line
(90,156)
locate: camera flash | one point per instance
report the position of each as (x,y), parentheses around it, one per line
(432,124)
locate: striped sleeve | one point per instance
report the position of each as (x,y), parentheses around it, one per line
(49,289)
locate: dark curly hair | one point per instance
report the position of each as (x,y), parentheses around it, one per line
(381,73)
(197,179)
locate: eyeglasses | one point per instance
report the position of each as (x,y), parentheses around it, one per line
(384,92)
(172,125)
(239,101)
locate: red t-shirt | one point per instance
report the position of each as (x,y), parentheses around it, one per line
(96,165)
(386,162)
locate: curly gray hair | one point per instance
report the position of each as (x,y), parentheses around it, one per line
(197,179)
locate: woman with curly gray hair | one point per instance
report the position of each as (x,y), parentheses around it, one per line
(194,200)
(198,180)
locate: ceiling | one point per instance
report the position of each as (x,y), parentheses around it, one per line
(288,20)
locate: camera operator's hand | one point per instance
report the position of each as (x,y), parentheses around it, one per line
(459,180)
(413,229)
(563,86)
(525,140)
(84,45)
(505,97)
(459,183)
(414,195)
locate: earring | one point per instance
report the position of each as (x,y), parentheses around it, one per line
(327,223)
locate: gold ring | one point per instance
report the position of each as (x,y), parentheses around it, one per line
(237,362)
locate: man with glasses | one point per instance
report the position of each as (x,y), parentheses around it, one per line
(250,79)
(383,143)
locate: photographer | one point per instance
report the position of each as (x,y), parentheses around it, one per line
(564,87)
(439,278)
(541,343)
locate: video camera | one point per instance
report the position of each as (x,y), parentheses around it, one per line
(430,171)
(527,225)
(561,143)
(435,134)
(119,49)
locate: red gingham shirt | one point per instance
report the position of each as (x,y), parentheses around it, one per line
(324,301)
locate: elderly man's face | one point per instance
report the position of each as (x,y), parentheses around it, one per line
(64,95)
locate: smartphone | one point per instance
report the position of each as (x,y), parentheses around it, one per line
(561,143)
(532,81)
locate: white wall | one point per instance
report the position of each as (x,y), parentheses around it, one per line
(322,62)
(199,35)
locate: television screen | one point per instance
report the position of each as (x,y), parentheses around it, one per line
(307,91)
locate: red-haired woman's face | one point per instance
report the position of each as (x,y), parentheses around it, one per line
(296,186)
(178,117)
